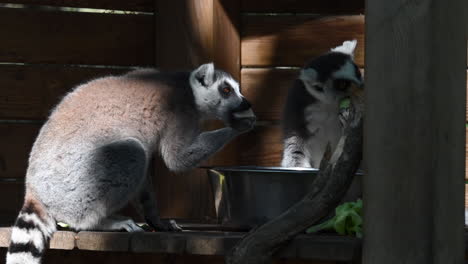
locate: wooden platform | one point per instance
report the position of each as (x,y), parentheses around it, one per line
(317,247)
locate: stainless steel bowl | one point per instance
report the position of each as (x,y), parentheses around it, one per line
(247,196)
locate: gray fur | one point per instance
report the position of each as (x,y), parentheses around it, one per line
(93,154)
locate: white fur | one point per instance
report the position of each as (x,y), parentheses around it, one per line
(323,122)
(347,47)
(207,98)
(24,236)
(347,72)
(21,258)
(288,157)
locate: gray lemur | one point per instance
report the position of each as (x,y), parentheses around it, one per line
(92,156)
(312,117)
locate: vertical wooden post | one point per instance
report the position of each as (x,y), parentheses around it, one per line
(189,33)
(415,134)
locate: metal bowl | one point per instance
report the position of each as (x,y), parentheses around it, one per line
(248,196)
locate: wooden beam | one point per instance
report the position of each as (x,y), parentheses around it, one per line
(134,5)
(55,37)
(414,135)
(293,40)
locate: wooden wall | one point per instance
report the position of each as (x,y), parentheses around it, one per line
(263,43)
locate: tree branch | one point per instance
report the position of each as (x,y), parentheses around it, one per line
(333,180)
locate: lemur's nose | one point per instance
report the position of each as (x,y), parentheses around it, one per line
(244,105)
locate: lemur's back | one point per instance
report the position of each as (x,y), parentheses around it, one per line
(87,120)
(110,105)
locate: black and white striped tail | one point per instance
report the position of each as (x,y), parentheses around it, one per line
(30,235)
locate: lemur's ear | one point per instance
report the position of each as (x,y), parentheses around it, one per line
(205,74)
(347,47)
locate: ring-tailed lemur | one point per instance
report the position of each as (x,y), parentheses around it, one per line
(92,155)
(311,116)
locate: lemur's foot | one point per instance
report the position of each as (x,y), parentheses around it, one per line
(165,225)
(117,223)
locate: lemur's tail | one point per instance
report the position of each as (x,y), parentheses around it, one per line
(31,233)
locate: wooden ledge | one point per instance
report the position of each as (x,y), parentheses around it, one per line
(319,247)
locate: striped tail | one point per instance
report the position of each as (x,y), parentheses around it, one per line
(30,234)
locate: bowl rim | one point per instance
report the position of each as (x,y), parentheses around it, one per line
(265,169)
(271,169)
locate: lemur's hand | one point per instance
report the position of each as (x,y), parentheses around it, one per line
(242,124)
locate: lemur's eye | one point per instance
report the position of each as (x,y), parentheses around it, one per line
(227,89)
(342,84)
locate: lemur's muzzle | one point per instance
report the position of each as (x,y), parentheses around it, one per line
(243,110)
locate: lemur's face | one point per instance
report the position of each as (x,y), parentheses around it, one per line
(333,76)
(217,94)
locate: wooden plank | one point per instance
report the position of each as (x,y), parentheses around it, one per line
(414,134)
(16,141)
(466,195)
(134,5)
(306,247)
(293,40)
(103,241)
(226,36)
(60,240)
(30,91)
(185,40)
(76,38)
(304,6)
(262,147)
(267,89)
(12,193)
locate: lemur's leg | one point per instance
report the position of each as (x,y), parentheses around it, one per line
(118,223)
(147,206)
(294,153)
(180,154)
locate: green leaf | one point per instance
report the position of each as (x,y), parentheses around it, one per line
(63,225)
(345,103)
(347,220)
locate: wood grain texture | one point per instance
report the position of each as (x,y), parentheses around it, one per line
(134,5)
(261,147)
(226,36)
(30,91)
(76,38)
(185,40)
(304,6)
(267,89)
(293,40)
(415,137)
(16,141)
(305,246)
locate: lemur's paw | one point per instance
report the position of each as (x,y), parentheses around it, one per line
(243,125)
